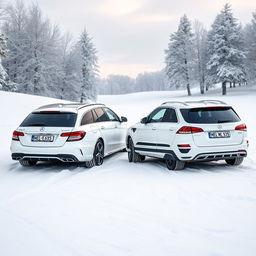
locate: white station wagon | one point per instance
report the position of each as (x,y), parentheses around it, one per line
(191,131)
(69,133)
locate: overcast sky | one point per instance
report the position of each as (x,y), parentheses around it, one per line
(131,35)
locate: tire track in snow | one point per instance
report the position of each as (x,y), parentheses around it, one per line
(52,240)
(51,181)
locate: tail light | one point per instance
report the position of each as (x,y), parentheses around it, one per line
(184,146)
(74,136)
(16,135)
(189,130)
(241,127)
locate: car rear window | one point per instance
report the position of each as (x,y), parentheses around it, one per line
(60,119)
(210,115)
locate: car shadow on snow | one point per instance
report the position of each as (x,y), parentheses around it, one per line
(120,157)
(197,167)
(46,167)
(57,166)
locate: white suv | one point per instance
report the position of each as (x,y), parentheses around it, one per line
(189,131)
(69,133)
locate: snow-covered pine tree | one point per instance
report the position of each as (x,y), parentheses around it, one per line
(250,43)
(70,84)
(33,60)
(5,83)
(14,29)
(225,49)
(88,68)
(200,39)
(178,55)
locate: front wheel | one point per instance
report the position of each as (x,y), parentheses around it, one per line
(235,161)
(174,165)
(132,155)
(28,163)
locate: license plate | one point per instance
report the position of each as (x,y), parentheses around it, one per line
(42,138)
(219,134)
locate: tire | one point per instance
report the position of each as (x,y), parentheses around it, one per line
(174,165)
(235,161)
(28,163)
(89,164)
(134,157)
(98,154)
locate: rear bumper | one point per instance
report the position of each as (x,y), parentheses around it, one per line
(70,152)
(207,157)
(42,157)
(214,156)
(197,154)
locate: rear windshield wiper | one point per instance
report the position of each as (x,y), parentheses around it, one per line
(224,121)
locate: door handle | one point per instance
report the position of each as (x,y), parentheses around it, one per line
(170,129)
(102,127)
(153,129)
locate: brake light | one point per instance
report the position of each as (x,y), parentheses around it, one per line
(50,112)
(241,127)
(74,136)
(189,130)
(16,135)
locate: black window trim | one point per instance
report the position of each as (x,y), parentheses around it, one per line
(57,112)
(85,114)
(206,107)
(119,120)
(166,107)
(95,113)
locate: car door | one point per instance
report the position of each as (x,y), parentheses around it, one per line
(106,128)
(146,133)
(119,130)
(165,130)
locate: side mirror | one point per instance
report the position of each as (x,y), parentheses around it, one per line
(144,120)
(123,119)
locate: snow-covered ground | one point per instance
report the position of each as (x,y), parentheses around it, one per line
(122,208)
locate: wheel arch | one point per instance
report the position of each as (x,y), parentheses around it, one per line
(127,140)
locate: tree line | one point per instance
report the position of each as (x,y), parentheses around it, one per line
(195,57)
(226,54)
(36,58)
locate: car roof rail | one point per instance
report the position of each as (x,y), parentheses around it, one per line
(213,101)
(90,104)
(175,102)
(77,106)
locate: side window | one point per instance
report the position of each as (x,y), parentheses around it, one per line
(87,118)
(101,116)
(157,115)
(170,116)
(111,115)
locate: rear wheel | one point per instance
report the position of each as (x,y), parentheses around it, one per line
(174,165)
(235,161)
(89,164)
(98,155)
(132,155)
(28,162)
